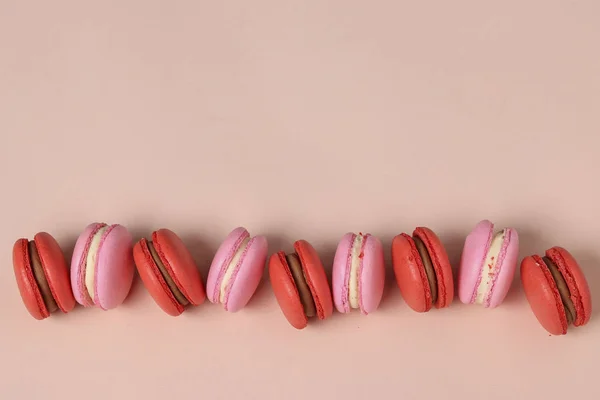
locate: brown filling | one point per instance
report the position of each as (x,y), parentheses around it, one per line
(429,270)
(563,289)
(165,274)
(40,278)
(305,295)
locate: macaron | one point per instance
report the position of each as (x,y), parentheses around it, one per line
(488,264)
(169,272)
(102,266)
(300,285)
(556,290)
(42,276)
(358,275)
(422,270)
(236,269)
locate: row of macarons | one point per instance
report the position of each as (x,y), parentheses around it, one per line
(105,258)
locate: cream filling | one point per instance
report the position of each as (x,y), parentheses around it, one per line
(354,270)
(90,262)
(489,267)
(231,268)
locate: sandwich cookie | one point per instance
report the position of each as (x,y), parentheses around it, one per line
(488,264)
(300,285)
(42,276)
(358,274)
(556,290)
(102,266)
(236,269)
(422,270)
(169,272)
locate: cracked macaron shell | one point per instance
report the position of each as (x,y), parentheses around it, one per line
(55,270)
(179,264)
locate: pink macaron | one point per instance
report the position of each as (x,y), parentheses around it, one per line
(488,264)
(236,269)
(102,266)
(358,275)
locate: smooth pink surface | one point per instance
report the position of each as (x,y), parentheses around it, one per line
(473,256)
(340,273)
(303,119)
(114,269)
(508,268)
(244,283)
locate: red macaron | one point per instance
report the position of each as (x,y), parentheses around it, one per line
(422,269)
(42,276)
(300,285)
(556,290)
(169,272)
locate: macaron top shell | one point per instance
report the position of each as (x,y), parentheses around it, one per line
(181,265)
(371,273)
(245,276)
(55,270)
(285,291)
(473,260)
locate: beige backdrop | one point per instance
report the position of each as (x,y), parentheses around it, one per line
(299,119)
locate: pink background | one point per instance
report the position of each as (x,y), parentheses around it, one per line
(299,120)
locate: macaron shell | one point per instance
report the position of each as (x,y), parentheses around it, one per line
(315,277)
(472,259)
(575,279)
(153,280)
(286,292)
(410,274)
(245,282)
(28,289)
(76,265)
(338,275)
(222,254)
(441,263)
(507,269)
(181,265)
(56,270)
(373,275)
(115,268)
(543,297)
